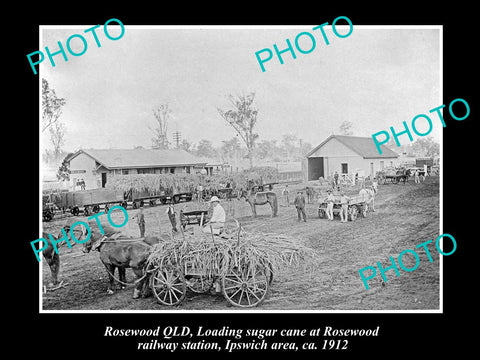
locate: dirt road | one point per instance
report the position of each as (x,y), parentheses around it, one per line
(405,216)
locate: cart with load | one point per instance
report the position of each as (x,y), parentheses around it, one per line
(239,265)
(357,204)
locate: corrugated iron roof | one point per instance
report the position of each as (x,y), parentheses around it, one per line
(140,158)
(363,146)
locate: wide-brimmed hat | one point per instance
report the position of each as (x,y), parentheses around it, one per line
(214,198)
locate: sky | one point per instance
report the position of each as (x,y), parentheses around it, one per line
(375,78)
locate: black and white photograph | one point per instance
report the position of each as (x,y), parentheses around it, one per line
(244,189)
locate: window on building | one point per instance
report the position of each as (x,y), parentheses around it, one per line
(344,168)
(172,170)
(124,172)
(187,169)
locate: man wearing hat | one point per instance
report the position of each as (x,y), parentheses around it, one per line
(217,221)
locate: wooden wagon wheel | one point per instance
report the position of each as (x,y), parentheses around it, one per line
(199,284)
(95,209)
(245,286)
(321,213)
(353,213)
(168,285)
(75,211)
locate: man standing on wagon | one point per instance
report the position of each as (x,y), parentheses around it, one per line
(217,221)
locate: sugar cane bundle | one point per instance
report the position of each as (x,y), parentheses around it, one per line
(209,257)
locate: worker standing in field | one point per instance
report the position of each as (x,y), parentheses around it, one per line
(375,185)
(140,221)
(285,193)
(416,177)
(300,206)
(330,201)
(344,207)
(171,216)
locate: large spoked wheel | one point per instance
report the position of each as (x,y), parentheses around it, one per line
(353,212)
(199,284)
(246,286)
(168,285)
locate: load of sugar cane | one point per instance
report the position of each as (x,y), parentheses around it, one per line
(179,183)
(215,256)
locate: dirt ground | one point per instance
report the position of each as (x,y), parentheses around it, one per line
(405,216)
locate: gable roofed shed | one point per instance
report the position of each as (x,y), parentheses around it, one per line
(363,146)
(141,158)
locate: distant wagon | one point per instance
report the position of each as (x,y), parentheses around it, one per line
(393,175)
(91,201)
(356,205)
(87,202)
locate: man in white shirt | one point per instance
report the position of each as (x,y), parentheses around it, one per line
(217,221)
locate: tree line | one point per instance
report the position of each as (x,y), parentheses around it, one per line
(241,115)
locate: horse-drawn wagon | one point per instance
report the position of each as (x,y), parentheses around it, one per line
(393,175)
(238,265)
(357,204)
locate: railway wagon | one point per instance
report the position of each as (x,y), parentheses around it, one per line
(91,201)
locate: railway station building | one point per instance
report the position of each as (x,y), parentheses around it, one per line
(346,155)
(91,168)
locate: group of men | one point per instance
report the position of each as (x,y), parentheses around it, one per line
(299,201)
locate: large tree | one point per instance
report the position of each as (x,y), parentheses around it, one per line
(424,147)
(243,118)
(51,106)
(57,135)
(162,114)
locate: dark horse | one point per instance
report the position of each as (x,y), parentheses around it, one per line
(260,198)
(51,256)
(120,252)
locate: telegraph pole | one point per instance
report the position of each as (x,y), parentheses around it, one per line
(176,138)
